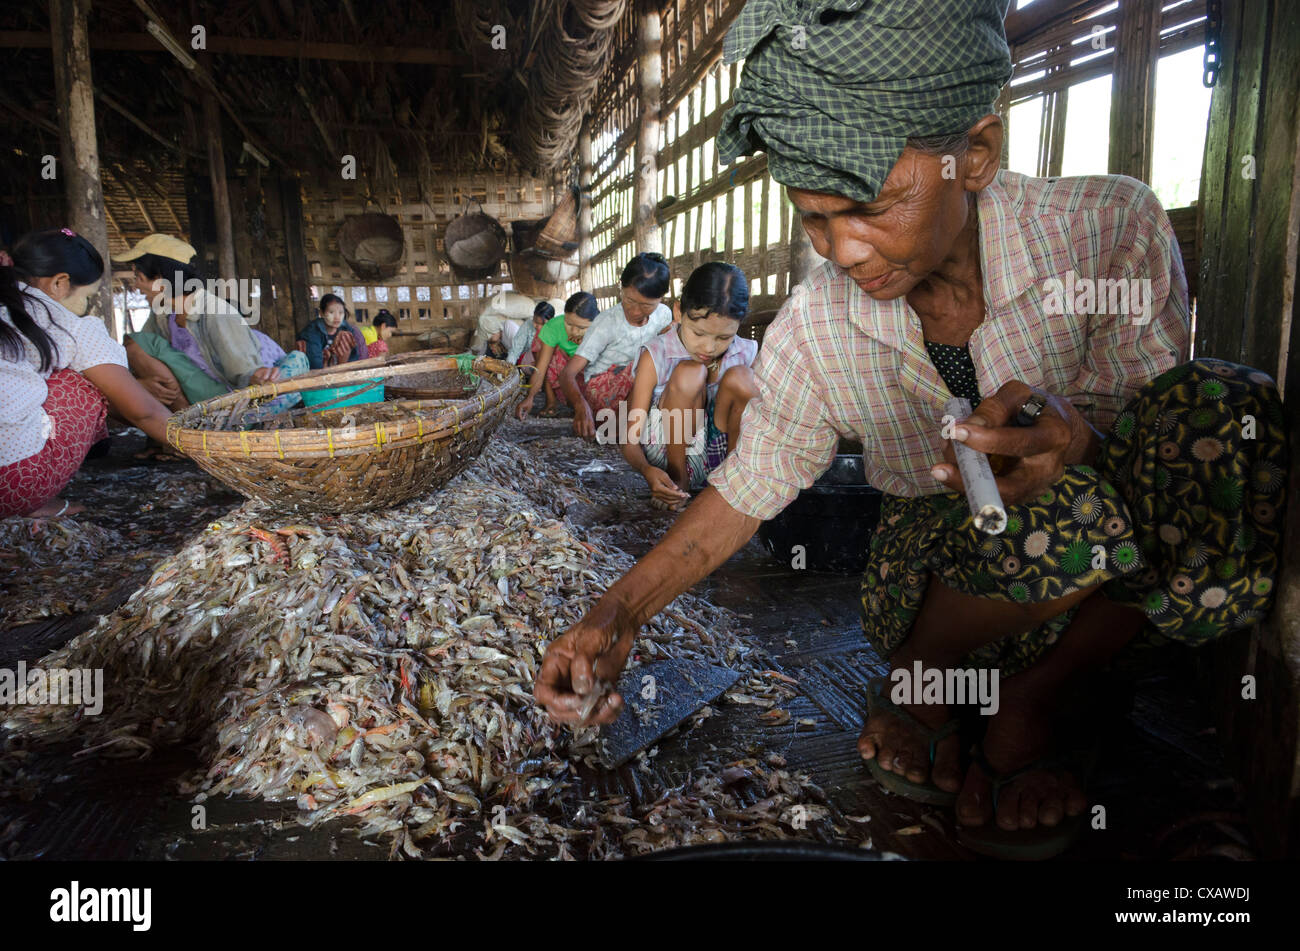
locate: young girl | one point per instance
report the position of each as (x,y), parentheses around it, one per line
(559,339)
(59,373)
(330,339)
(599,375)
(385,325)
(525,346)
(692,385)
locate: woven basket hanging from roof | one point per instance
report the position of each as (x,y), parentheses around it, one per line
(475,243)
(535,274)
(373,245)
(559,235)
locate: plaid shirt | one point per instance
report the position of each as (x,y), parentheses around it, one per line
(836,363)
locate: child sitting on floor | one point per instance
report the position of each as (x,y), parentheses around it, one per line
(558,340)
(330,339)
(383,326)
(526,344)
(692,385)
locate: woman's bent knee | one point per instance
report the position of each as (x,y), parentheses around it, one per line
(739,381)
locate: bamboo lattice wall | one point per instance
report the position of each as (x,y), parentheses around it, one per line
(708,212)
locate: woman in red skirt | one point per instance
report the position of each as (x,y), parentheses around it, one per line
(59,372)
(598,377)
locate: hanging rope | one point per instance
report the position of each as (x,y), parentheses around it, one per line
(572,53)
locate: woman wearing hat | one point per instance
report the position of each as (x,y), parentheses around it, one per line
(195,345)
(1142,508)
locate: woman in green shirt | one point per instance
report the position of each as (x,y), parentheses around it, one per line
(560,338)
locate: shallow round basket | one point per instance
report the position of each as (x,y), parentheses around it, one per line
(351,459)
(433,385)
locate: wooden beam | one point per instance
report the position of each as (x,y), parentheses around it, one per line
(79,168)
(650,66)
(28,116)
(1247,313)
(129,116)
(296,251)
(585,274)
(414,54)
(220,188)
(1022,23)
(1133,90)
(803,259)
(320,126)
(204,79)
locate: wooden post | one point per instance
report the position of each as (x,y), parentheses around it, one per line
(650,65)
(75,93)
(585,274)
(1133,89)
(1248,313)
(803,259)
(296,250)
(220,189)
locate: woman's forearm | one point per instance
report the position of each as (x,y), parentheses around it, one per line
(153,424)
(634,455)
(569,384)
(142,363)
(708,533)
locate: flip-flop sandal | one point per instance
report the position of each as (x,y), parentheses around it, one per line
(552,413)
(926,792)
(1041,842)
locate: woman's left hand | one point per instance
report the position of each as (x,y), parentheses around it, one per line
(343,346)
(1035,456)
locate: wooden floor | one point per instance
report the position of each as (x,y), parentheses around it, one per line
(1160,777)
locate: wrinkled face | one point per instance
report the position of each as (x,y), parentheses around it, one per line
(637,307)
(575,327)
(333,316)
(888,246)
(707,338)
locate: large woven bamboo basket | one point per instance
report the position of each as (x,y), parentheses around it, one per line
(347,459)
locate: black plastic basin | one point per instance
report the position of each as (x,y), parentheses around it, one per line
(832,519)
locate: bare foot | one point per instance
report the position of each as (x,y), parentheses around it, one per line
(56,507)
(1018,734)
(900,748)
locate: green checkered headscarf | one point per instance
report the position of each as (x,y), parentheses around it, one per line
(833,88)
